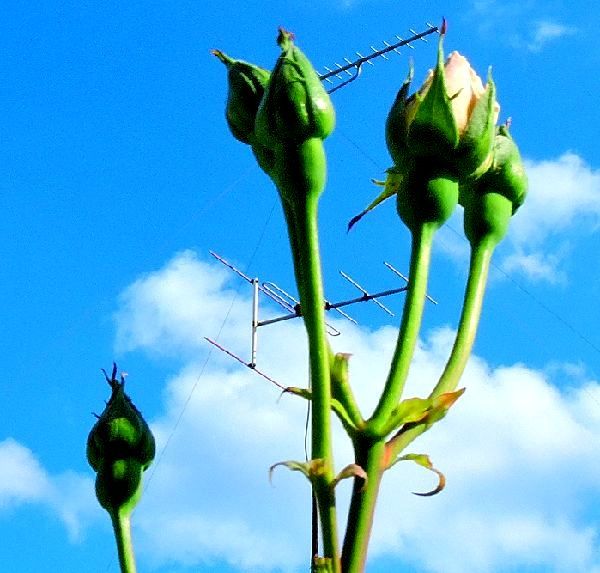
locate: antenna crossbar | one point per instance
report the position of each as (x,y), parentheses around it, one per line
(357,64)
(294,310)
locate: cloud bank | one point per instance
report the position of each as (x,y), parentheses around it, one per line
(522,458)
(23,480)
(563,201)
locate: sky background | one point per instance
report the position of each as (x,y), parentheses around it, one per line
(118,175)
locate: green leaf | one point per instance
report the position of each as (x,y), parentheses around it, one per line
(391,186)
(424,461)
(351,470)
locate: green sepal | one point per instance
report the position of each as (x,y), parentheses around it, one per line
(476,148)
(120,432)
(507,174)
(492,200)
(433,133)
(391,186)
(246,86)
(398,120)
(295,106)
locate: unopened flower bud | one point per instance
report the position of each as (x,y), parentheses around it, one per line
(491,200)
(448,123)
(295,106)
(247,84)
(120,447)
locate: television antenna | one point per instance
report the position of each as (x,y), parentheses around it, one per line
(351,69)
(293,309)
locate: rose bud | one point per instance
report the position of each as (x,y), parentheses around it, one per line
(247,84)
(491,200)
(295,106)
(120,447)
(448,123)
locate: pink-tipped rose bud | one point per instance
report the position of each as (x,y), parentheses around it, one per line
(448,124)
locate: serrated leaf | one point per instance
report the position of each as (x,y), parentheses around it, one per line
(424,461)
(391,187)
(310,469)
(351,470)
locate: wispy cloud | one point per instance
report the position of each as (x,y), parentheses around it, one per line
(513,450)
(23,480)
(546,31)
(563,205)
(524,27)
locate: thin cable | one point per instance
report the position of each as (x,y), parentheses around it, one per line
(541,304)
(223,324)
(160,456)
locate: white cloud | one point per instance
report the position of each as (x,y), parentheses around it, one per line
(525,29)
(563,199)
(522,459)
(546,31)
(24,480)
(562,206)
(563,192)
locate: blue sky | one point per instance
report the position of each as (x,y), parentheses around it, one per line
(118,174)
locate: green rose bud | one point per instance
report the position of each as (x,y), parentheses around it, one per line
(295,106)
(120,447)
(491,200)
(448,123)
(247,84)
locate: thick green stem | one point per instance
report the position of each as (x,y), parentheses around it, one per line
(121,522)
(370,456)
(481,254)
(409,330)
(311,302)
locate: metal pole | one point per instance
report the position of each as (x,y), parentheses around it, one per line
(254,322)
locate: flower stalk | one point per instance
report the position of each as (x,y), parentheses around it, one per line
(446,150)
